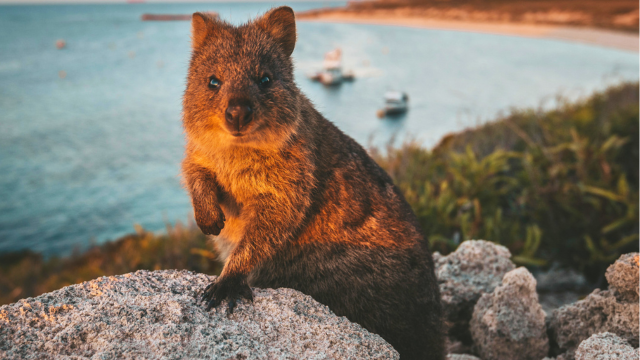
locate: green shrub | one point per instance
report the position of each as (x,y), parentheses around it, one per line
(556,186)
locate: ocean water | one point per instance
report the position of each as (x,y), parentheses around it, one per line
(90,136)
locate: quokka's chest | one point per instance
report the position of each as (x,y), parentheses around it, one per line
(246,178)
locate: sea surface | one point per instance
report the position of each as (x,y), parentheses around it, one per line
(91,139)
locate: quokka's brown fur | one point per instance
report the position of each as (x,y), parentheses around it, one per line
(291,200)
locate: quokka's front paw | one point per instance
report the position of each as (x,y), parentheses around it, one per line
(210,222)
(231,288)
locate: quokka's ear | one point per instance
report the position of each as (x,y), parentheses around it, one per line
(202,26)
(280,23)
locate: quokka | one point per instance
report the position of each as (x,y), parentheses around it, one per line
(290,200)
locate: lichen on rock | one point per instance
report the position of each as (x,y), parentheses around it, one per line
(623,276)
(606,346)
(157,315)
(509,324)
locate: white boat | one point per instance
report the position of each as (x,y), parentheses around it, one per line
(396,103)
(332,73)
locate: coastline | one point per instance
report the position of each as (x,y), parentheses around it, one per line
(586,35)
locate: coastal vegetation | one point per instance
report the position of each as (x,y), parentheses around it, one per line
(556,186)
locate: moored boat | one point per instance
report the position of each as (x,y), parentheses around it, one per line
(396,103)
(332,73)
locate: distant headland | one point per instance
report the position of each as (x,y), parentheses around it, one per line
(614,26)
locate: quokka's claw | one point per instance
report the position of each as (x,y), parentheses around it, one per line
(232,289)
(247,294)
(232,304)
(207,293)
(213,303)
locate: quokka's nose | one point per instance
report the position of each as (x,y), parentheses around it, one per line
(238,116)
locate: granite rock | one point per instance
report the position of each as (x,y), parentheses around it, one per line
(623,277)
(157,315)
(461,357)
(553,301)
(475,268)
(559,286)
(509,324)
(558,279)
(606,346)
(453,346)
(601,311)
(559,357)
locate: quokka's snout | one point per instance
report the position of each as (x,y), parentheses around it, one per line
(238,115)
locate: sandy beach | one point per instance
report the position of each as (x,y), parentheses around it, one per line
(593,36)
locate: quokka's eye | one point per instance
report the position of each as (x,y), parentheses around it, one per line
(214,83)
(265,81)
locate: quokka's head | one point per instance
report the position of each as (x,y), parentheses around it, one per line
(240,87)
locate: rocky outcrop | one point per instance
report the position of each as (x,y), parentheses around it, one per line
(623,277)
(606,346)
(475,268)
(157,315)
(509,324)
(508,321)
(614,310)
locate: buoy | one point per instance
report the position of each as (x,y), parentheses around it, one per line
(60,44)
